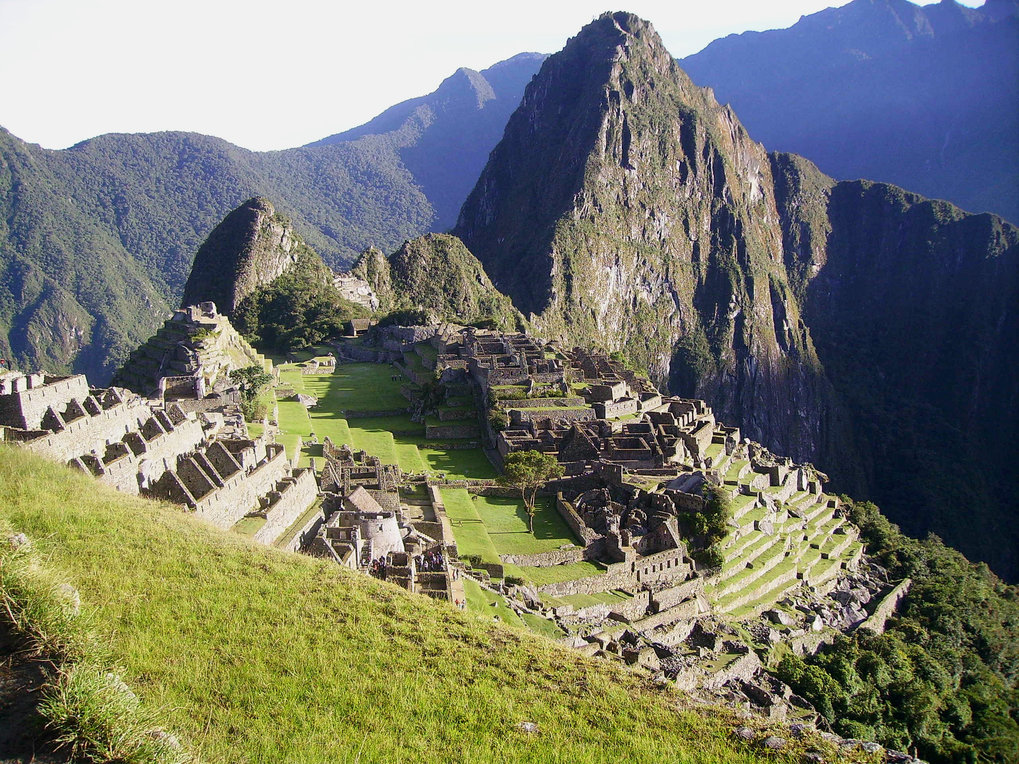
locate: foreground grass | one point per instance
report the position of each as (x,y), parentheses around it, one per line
(258,655)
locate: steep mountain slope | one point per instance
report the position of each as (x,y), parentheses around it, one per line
(923,97)
(645,220)
(87,231)
(914,310)
(436,274)
(95,241)
(444,138)
(274,288)
(648,221)
(251,248)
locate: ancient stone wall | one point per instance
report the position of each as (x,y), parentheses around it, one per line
(545,559)
(25,399)
(287,503)
(453,431)
(669,597)
(145,460)
(91,433)
(611,409)
(531,403)
(239,494)
(520,417)
(573,520)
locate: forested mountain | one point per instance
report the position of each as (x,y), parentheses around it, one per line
(852,324)
(926,97)
(96,241)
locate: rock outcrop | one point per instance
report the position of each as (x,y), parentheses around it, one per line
(438,275)
(251,248)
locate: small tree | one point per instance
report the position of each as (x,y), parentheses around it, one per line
(252,381)
(528,471)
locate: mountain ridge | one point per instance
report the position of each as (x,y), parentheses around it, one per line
(89,229)
(920,96)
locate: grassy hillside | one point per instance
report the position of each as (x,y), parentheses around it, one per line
(256,655)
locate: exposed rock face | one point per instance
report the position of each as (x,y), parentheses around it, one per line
(914,309)
(625,207)
(251,248)
(436,273)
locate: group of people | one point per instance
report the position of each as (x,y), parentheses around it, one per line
(378,568)
(430,561)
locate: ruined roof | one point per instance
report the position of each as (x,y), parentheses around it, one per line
(359,499)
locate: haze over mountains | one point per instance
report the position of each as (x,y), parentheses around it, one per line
(926,97)
(96,241)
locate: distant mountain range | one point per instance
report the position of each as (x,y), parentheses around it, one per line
(96,241)
(925,97)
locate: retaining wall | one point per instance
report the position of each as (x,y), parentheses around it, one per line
(295,496)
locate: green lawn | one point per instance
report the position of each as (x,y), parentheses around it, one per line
(506,521)
(470,532)
(249,526)
(489,605)
(486,527)
(459,464)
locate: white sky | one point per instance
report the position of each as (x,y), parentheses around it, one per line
(270,75)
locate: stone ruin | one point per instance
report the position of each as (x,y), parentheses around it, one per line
(371,528)
(189,357)
(201,458)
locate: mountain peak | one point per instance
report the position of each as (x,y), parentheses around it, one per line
(250,248)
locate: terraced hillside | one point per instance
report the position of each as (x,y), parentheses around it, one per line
(782,539)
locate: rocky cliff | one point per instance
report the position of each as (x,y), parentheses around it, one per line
(437,275)
(252,247)
(625,207)
(276,289)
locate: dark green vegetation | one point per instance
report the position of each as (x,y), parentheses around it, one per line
(96,241)
(434,278)
(276,290)
(712,524)
(923,97)
(298,309)
(853,324)
(254,383)
(943,677)
(200,621)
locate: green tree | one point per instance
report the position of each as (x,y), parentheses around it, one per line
(528,471)
(253,382)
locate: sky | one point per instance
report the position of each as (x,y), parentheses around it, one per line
(272,75)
